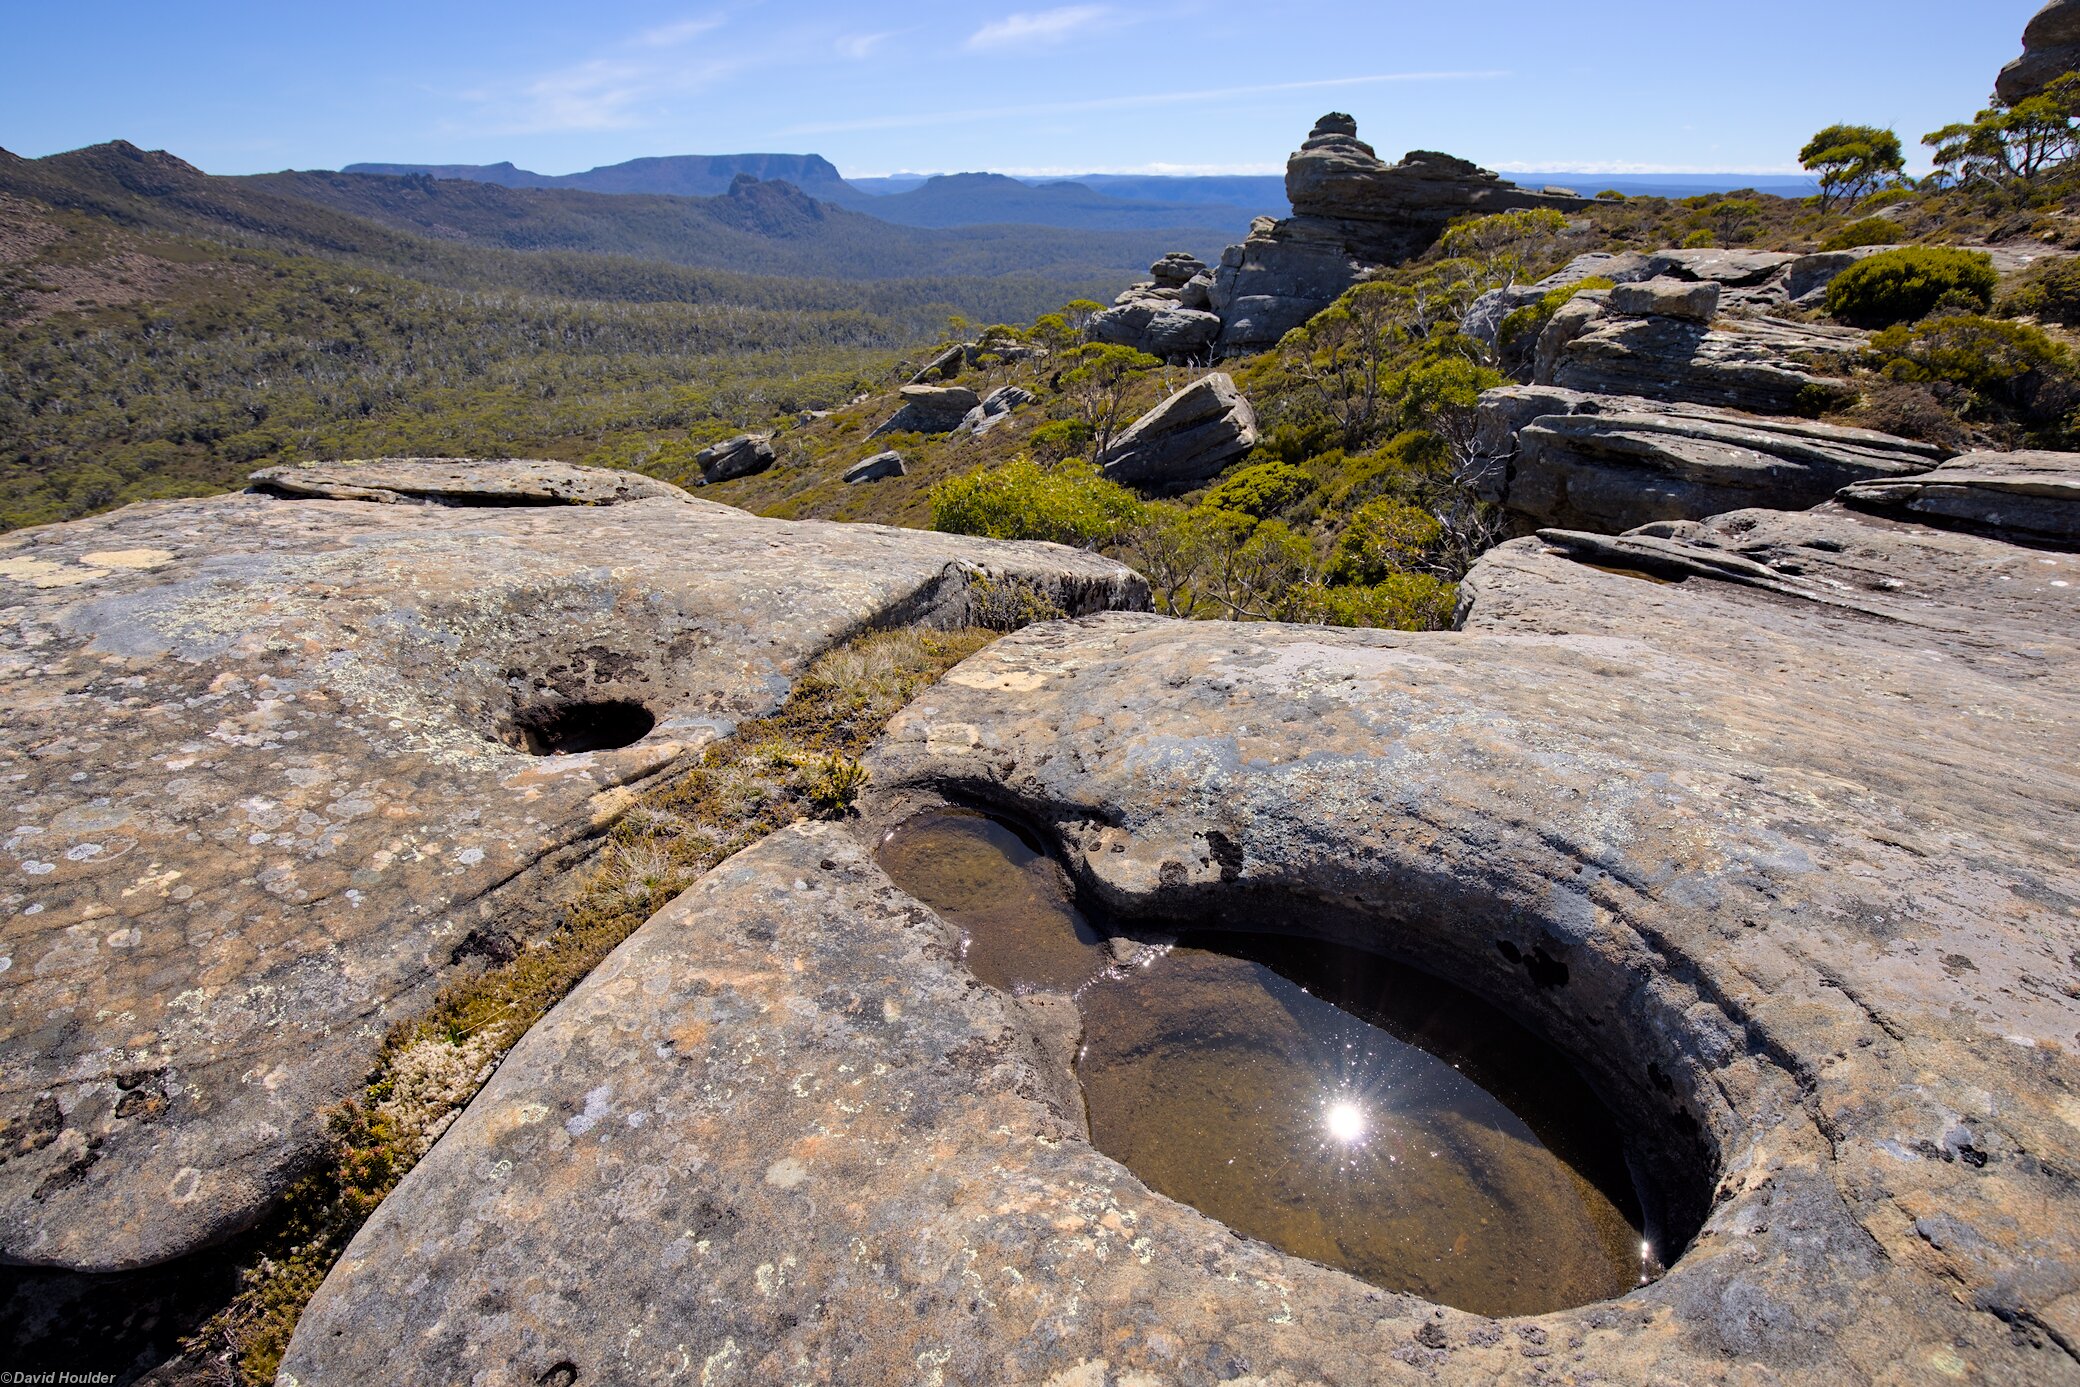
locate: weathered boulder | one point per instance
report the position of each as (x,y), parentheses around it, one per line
(1692,301)
(1186,440)
(746,455)
(995,408)
(1559,458)
(873,469)
(1156,321)
(1761,365)
(1732,267)
(1282,275)
(273,779)
(945,366)
(2050,49)
(929,409)
(2032,497)
(1176,269)
(1745,846)
(460,482)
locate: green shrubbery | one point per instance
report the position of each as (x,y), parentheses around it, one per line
(1062,438)
(1902,286)
(1999,367)
(1871,231)
(1261,491)
(1068,504)
(2049,292)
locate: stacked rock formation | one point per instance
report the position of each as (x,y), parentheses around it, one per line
(1777,847)
(2050,49)
(280,768)
(1611,463)
(1351,212)
(1167,316)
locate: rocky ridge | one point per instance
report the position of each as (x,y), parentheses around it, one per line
(279,768)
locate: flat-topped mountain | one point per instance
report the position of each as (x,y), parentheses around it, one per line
(676,175)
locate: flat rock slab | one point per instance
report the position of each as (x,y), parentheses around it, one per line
(1782,860)
(267,792)
(461,482)
(1610,463)
(2028,496)
(1760,365)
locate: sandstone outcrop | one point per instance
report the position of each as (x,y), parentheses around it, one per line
(1483,321)
(746,455)
(929,409)
(875,468)
(1694,301)
(1761,365)
(2032,497)
(995,408)
(460,482)
(1186,440)
(1352,211)
(1749,846)
(1599,462)
(279,768)
(2050,49)
(1166,316)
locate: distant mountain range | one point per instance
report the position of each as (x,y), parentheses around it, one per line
(1198,207)
(752,228)
(942,201)
(679,175)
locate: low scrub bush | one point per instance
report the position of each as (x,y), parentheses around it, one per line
(2001,368)
(2050,292)
(1906,285)
(1871,231)
(1262,490)
(1068,504)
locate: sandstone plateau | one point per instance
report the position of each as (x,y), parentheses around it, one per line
(1765,820)
(278,767)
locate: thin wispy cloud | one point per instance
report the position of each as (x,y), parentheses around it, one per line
(672,35)
(1034,30)
(622,88)
(1132,102)
(860,47)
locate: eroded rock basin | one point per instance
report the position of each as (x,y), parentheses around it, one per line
(1330,1102)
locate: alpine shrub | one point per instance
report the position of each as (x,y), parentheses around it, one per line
(1906,285)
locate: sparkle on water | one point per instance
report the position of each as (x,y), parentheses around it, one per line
(1325,1100)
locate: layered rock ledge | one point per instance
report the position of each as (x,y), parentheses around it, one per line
(1610,463)
(271,782)
(1766,821)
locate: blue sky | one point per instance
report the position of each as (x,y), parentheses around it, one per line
(1035,88)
